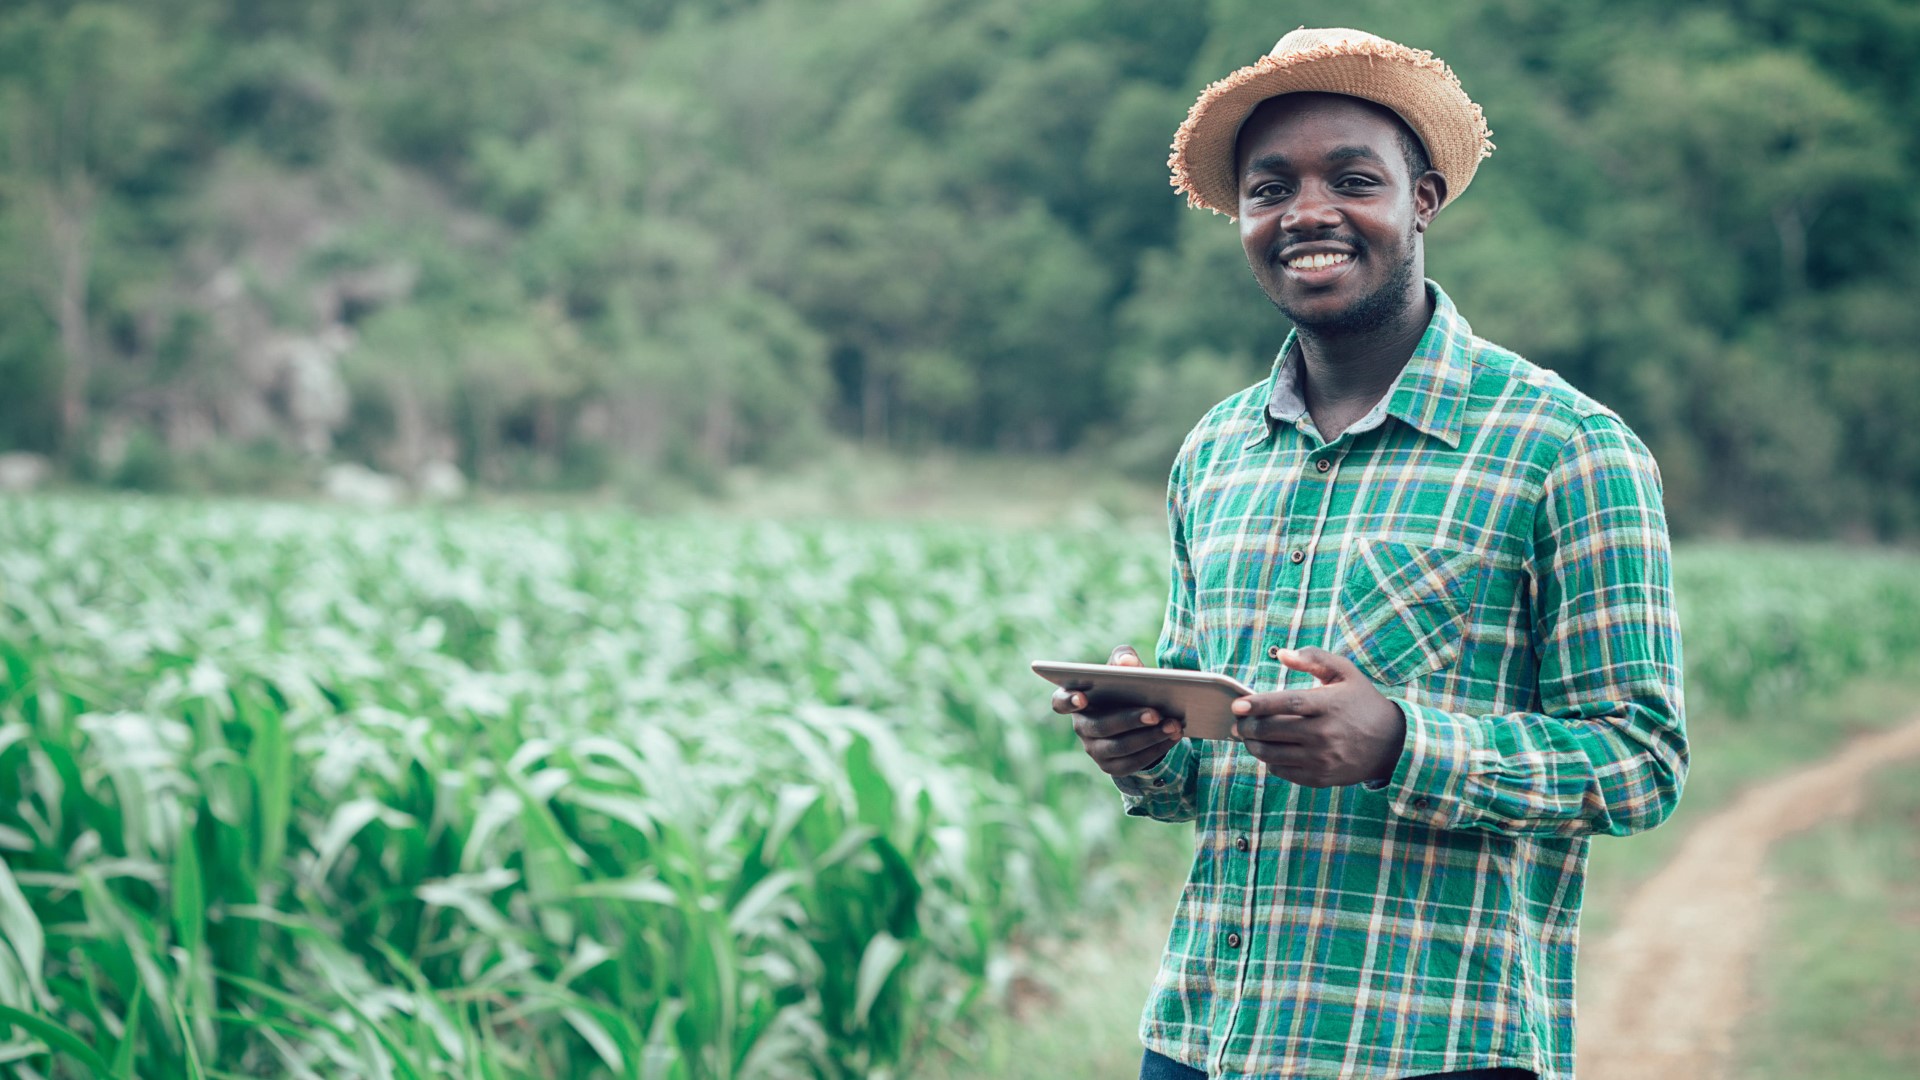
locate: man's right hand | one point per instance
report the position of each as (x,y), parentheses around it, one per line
(1121,741)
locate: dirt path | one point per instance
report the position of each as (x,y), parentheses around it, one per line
(1670,983)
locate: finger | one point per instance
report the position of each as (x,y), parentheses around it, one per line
(1303,702)
(1306,768)
(1108,724)
(1068,701)
(1124,656)
(1132,745)
(1142,759)
(1291,730)
(1277,755)
(1321,664)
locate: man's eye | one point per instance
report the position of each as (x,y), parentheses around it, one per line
(1270,191)
(1358,181)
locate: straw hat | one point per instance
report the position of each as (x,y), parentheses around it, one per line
(1412,82)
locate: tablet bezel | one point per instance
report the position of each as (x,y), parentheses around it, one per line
(1202,699)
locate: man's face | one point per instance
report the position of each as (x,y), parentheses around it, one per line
(1329,216)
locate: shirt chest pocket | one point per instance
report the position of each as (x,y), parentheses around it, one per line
(1403,607)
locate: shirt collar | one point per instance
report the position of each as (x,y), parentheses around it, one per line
(1429,394)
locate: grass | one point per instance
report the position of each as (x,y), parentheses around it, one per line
(1838,993)
(1729,754)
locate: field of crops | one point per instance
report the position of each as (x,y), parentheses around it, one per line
(285,792)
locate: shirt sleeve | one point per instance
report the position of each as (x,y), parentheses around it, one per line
(1166,790)
(1607,752)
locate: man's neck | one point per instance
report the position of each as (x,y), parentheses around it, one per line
(1345,375)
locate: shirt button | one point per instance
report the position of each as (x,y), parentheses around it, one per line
(1273,652)
(1298,556)
(1240,843)
(1422,802)
(1323,465)
(1159,783)
(1233,940)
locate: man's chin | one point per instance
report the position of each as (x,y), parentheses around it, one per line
(1334,317)
(1329,319)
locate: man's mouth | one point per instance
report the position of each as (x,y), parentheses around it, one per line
(1320,261)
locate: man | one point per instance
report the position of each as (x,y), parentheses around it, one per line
(1453,571)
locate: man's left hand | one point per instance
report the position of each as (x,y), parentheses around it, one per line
(1342,732)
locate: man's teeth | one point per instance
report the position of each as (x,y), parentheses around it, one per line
(1317,262)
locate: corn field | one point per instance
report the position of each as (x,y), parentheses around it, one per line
(408,795)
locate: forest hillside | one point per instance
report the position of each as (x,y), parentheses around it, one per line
(596,244)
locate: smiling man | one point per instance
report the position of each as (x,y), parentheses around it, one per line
(1447,571)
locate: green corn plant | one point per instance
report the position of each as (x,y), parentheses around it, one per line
(502,794)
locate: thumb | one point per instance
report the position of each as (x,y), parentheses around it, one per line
(1124,656)
(1319,663)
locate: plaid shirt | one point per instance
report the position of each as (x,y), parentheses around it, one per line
(1488,546)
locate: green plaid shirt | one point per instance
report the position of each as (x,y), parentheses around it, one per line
(1488,546)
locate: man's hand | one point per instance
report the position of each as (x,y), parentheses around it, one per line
(1121,741)
(1342,732)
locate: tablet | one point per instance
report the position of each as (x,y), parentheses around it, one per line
(1200,698)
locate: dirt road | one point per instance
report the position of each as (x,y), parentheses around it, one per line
(1670,982)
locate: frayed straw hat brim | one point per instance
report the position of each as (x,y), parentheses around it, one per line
(1412,82)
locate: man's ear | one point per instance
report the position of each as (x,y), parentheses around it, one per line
(1428,193)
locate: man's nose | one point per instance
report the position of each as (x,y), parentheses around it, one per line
(1310,211)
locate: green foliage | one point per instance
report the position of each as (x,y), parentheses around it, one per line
(662,237)
(510,794)
(527,796)
(1766,625)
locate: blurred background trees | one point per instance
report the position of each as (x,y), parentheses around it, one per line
(584,244)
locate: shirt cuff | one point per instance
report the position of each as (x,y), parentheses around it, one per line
(1433,768)
(1158,777)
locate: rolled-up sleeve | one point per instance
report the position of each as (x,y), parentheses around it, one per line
(1607,752)
(1165,791)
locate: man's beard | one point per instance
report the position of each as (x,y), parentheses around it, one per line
(1370,312)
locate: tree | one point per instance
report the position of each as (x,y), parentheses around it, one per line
(87,107)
